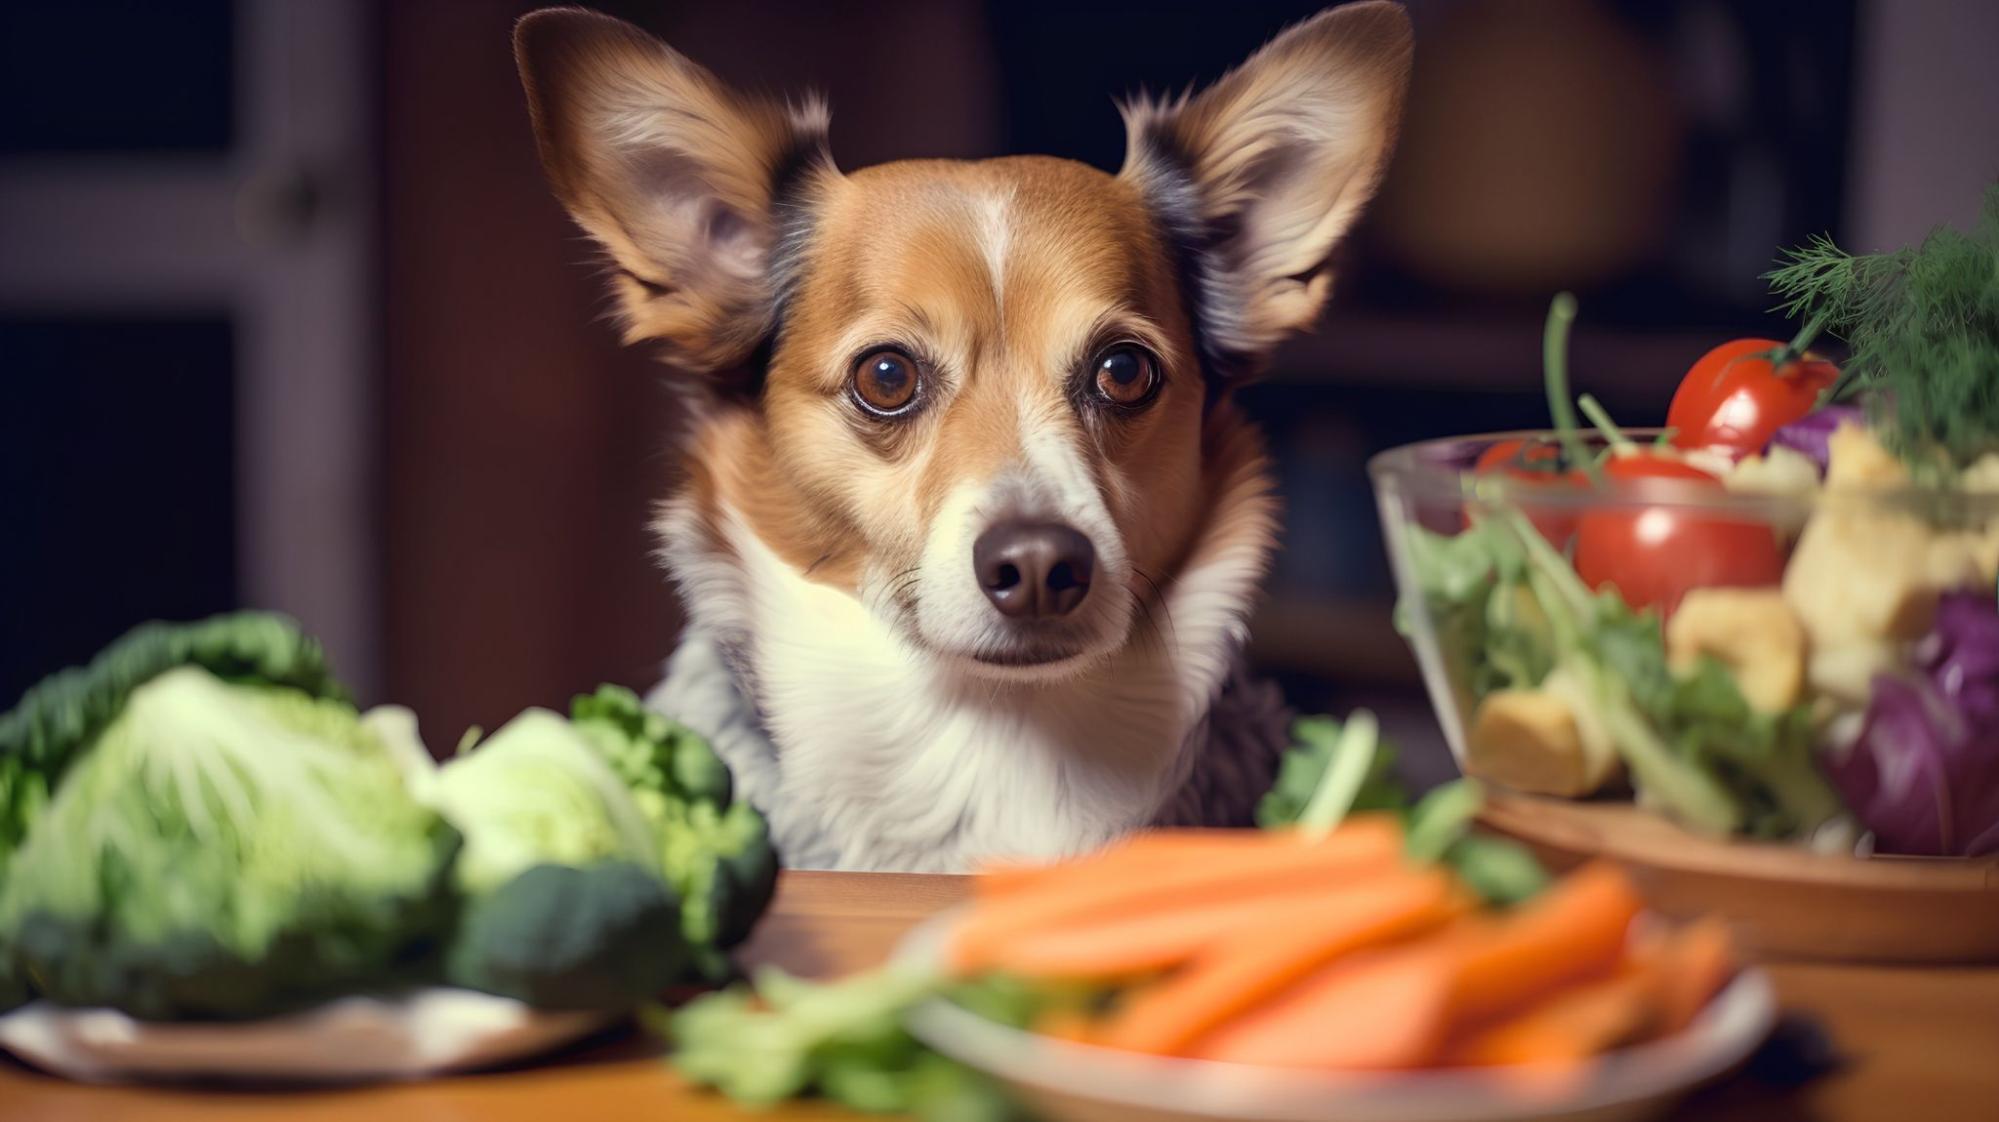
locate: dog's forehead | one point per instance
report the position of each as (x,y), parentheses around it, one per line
(1019,235)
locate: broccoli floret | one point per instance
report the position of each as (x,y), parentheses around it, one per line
(717,853)
(605,936)
(657,757)
(566,906)
(226,850)
(722,863)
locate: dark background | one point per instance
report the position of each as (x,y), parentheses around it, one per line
(491,455)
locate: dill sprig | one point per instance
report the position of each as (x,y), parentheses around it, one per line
(1922,327)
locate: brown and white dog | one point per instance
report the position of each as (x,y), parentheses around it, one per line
(969,527)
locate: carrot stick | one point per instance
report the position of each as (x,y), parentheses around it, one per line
(1573,1024)
(1376,1009)
(1278,865)
(1274,950)
(1068,1024)
(1576,928)
(1132,946)
(1397,1007)
(1697,962)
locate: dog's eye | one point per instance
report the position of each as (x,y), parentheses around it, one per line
(1127,375)
(885,382)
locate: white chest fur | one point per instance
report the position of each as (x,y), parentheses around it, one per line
(905,764)
(886,758)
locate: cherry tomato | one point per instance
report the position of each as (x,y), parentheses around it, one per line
(1537,462)
(1519,458)
(1656,555)
(1734,398)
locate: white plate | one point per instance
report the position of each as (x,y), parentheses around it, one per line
(354,1039)
(1069,1081)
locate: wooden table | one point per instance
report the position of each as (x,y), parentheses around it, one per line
(1922,1044)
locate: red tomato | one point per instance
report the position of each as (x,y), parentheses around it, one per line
(1656,555)
(1538,462)
(1735,399)
(1519,458)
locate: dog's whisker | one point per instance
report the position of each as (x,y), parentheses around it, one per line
(1155,635)
(1143,632)
(1159,595)
(890,595)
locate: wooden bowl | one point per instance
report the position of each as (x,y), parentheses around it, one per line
(1784,901)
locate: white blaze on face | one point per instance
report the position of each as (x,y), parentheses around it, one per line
(1046,480)
(995,233)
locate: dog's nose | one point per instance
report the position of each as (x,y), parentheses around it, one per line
(1034,570)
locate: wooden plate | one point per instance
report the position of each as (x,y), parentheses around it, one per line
(1784,901)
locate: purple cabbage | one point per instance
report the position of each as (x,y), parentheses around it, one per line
(1923,771)
(1812,433)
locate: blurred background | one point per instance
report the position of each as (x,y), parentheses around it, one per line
(288,318)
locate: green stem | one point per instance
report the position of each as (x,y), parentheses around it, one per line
(1544,561)
(1600,417)
(1795,349)
(1555,363)
(1437,822)
(1841,387)
(1680,787)
(1352,757)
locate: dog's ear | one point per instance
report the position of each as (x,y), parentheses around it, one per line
(1258,176)
(678,177)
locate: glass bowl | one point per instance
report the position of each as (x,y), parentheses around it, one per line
(1838,694)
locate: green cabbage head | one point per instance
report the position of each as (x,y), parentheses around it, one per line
(227,849)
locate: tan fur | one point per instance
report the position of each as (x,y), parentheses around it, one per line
(898,264)
(670,171)
(1282,153)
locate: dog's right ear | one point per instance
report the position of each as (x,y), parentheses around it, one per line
(678,177)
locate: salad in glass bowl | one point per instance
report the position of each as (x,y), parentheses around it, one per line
(1776,617)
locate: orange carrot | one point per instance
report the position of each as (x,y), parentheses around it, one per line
(1068,1024)
(1398,1006)
(1376,1009)
(1142,853)
(1127,946)
(1275,866)
(1273,951)
(1697,962)
(1577,927)
(1573,1023)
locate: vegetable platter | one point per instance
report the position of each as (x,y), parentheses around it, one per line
(1063,1078)
(213,865)
(1358,958)
(1773,623)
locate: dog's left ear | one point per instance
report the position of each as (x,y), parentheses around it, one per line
(1258,176)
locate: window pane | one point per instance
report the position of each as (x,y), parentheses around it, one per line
(116,76)
(117,481)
